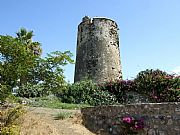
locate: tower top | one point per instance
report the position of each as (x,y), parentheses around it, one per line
(89,20)
(86,18)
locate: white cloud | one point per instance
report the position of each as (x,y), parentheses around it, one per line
(176,70)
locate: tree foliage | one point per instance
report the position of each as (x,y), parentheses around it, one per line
(49,70)
(15,60)
(21,65)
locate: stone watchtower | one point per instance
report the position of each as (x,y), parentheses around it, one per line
(97,54)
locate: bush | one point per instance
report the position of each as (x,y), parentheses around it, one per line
(149,80)
(86,92)
(155,85)
(9,120)
(119,89)
(100,97)
(4,92)
(31,90)
(159,85)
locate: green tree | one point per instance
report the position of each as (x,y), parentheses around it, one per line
(48,75)
(20,60)
(25,37)
(50,70)
(15,61)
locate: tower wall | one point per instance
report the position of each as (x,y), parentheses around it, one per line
(97,52)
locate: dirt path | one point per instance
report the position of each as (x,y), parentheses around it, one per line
(40,121)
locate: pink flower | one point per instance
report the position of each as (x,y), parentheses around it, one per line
(138,127)
(127,119)
(155,97)
(139,124)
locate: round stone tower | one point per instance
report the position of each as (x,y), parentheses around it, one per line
(97,53)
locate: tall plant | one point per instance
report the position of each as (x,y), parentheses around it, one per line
(25,37)
(159,85)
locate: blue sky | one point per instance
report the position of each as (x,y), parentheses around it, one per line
(149,29)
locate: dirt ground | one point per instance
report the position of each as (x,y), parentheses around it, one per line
(40,121)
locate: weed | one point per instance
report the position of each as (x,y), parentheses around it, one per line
(62,115)
(10,120)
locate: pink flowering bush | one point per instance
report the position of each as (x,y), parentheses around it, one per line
(128,125)
(159,85)
(132,125)
(119,88)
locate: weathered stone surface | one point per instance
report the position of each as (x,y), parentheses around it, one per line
(97,53)
(151,132)
(157,120)
(170,122)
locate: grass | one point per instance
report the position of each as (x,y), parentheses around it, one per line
(55,103)
(63,115)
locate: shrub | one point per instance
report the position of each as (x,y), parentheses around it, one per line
(159,85)
(31,90)
(156,85)
(172,92)
(9,120)
(119,88)
(12,130)
(86,92)
(4,92)
(100,97)
(149,80)
(78,92)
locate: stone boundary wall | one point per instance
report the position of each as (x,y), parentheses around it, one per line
(159,118)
